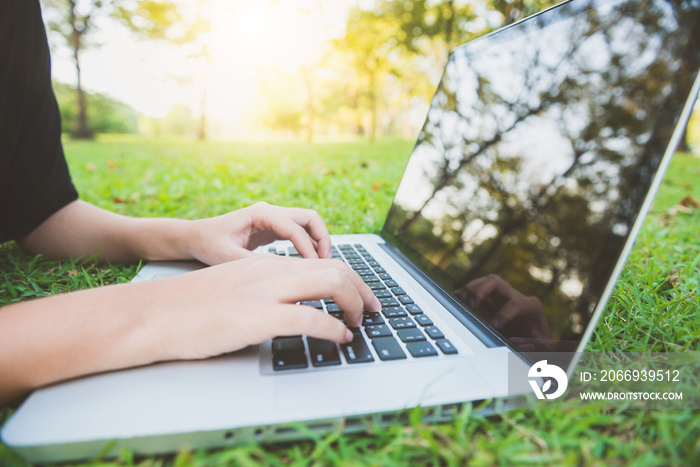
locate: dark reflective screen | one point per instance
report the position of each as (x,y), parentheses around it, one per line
(539,149)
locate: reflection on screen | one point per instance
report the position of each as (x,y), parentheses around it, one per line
(538,151)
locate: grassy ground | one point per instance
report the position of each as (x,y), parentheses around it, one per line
(654,305)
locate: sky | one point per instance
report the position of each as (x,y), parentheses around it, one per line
(151,76)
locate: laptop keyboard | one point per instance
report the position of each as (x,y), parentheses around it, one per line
(399,331)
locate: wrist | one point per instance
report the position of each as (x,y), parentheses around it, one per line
(165,239)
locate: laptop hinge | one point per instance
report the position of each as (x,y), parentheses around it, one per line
(465,316)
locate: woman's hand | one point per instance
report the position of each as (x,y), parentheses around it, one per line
(240,303)
(232,236)
(82,230)
(507,306)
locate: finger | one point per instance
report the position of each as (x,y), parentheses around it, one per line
(285,228)
(487,285)
(291,320)
(505,315)
(312,280)
(524,307)
(311,221)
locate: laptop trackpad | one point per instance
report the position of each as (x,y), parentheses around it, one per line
(379,387)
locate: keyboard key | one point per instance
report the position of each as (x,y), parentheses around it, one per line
(398,291)
(388,349)
(357,350)
(287,344)
(323,352)
(382,293)
(378,270)
(369,319)
(384,276)
(313,303)
(410,335)
(378,330)
(376,286)
(393,311)
(333,307)
(361,267)
(366,272)
(374,264)
(371,278)
(414,309)
(402,323)
(391,283)
(446,346)
(421,349)
(272,249)
(434,332)
(389,301)
(405,299)
(337,314)
(423,320)
(328,300)
(289,361)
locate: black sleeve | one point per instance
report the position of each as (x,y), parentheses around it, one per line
(34,177)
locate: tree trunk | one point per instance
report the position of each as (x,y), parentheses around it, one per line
(683,145)
(82,130)
(372,107)
(310,114)
(449,24)
(202,132)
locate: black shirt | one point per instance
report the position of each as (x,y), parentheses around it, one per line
(34,177)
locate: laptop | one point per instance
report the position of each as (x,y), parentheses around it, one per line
(540,155)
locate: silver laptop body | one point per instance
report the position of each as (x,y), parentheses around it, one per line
(540,155)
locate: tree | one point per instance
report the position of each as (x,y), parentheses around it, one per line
(74,22)
(368,43)
(110,116)
(281,101)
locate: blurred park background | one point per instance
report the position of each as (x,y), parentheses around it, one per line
(264,70)
(141,82)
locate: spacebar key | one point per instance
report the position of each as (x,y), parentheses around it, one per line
(357,350)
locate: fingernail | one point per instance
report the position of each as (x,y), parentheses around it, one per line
(348,335)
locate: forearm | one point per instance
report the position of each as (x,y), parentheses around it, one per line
(197,315)
(83,230)
(56,338)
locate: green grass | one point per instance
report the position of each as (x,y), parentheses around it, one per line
(654,305)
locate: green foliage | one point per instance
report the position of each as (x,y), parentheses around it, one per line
(73,22)
(150,19)
(653,307)
(399,47)
(106,115)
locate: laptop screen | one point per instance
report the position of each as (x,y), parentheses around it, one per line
(538,152)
